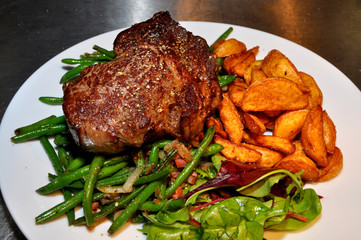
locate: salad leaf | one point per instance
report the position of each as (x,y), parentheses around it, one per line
(155,232)
(168,217)
(308,206)
(235,218)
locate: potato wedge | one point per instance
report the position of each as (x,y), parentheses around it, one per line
(253,123)
(237,63)
(299,147)
(264,118)
(275,64)
(316,96)
(248,71)
(269,157)
(290,123)
(335,165)
(231,119)
(229,47)
(236,91)
(257,74)
(216,44)
(219,130)
(297,162)
(312,137)
(282,145)
(239,153)
(274,94)
(273,113)
(329,132)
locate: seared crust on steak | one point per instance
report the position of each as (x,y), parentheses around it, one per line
(162,81)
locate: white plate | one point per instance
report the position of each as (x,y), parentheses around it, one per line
(24,167)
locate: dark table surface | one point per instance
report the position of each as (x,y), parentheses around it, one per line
(32,32)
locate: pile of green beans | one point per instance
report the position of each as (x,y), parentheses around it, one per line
(100,171)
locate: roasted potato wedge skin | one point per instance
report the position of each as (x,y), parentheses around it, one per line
(238,63)
(334,166)
(236,91)
(290,123)
(316,96)
(219,129)
(272,94)
(269,157)
(282,145)
(257,74)
(329,132)
(312,137)
(231,119)
(239,153)
(228,47)
(253,123)
(297,162)
(217,44)
(248,71)
(275,64)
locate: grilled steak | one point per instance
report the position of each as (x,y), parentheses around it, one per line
(162,81)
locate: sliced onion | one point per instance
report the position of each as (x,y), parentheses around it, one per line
(182,150)
(128,185)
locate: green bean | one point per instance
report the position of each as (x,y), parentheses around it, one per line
(223,36)
(52,155)
(162,189)
(133,206)
(188,169)
(71,212)
(75,164)
(97,56)
(58,166)
(153,176)
(52,100)
(220,62)
(94,171)
(63,157)
(64,207)
(55,121)
(123,171)
(170,155)
(121,179)
(116,160)
(78,184)
(160,144)
(104,51)
(109,170)
(163,205)
(114,180)
(119,203)
(226,79)
(75,71)
(40,132)
(153,155)
(33,126)
(66,179)
(77,61)
(210,150)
